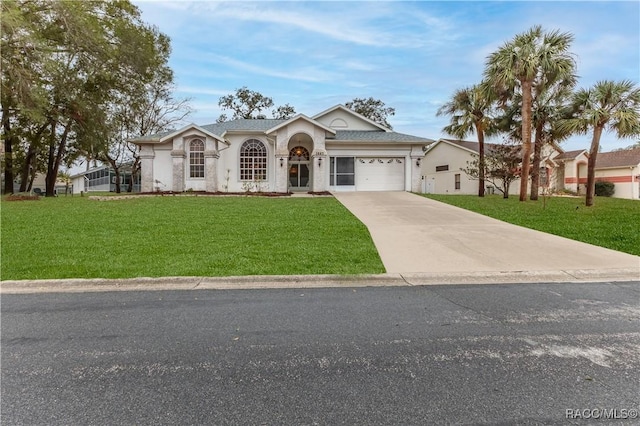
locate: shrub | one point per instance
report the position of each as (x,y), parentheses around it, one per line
(604,189)
(565,191)
(21,197)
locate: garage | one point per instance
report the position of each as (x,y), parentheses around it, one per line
(380,174)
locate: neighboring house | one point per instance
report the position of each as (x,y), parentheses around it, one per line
(444,161)
(103,178)
(39,185)
(622,168)
(573,166)
(337,150)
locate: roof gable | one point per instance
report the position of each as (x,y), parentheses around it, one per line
(340,117)
(167,136)
(570,155)
(471,147)
(191,127)
(300,117)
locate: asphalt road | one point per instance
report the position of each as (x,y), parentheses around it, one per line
(472,354)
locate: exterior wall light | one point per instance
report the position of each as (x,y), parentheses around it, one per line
(319,161)
(418,162)
(281,161)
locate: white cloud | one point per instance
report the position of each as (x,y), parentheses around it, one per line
(306,73)
(411,55)
(347,22)
(358,65)
(201,91)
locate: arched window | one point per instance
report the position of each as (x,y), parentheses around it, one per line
(253,160)
(196,158)
(299,153)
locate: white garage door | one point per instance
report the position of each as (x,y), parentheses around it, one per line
(380,174)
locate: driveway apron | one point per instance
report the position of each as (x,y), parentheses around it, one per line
(414,234)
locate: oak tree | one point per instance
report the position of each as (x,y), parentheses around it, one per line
(374,109)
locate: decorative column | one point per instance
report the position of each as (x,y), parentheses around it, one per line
(319,160)
(146,168)
(281,145)
(320,163)
(416,172)
(282,171)
(177,156)
(211,170)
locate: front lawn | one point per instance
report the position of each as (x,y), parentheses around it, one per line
(612,222)
(74,237)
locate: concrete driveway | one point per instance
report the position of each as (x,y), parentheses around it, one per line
(416,235)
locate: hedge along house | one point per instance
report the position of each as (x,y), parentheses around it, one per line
(335,150)
(622,168)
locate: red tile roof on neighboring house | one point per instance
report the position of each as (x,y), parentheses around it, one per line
(625,158)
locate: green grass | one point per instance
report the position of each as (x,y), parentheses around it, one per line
(74,237)
(612,222)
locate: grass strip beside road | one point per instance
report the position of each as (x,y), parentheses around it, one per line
(74,237)
(612,222)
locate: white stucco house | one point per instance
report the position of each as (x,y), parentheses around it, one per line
(444,160)
(335,150)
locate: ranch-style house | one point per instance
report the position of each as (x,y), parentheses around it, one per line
(335,150)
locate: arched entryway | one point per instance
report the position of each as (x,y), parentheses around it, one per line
(581,177)
(299,169)
(300,166)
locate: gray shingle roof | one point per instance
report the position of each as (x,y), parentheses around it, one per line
(242,124)
(266,124)
(220,128)
(153,137)
(377,136)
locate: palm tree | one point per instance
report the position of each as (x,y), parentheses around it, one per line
(470,110)
(548,107)
(520,62)
(608,105)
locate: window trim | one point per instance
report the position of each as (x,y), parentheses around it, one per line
(302,156)
(196,159)
(334,174)
(253,167)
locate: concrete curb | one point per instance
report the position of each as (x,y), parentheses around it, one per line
(199,283)
(316,281)
(515,277)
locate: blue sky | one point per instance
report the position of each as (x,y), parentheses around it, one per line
(410,55)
